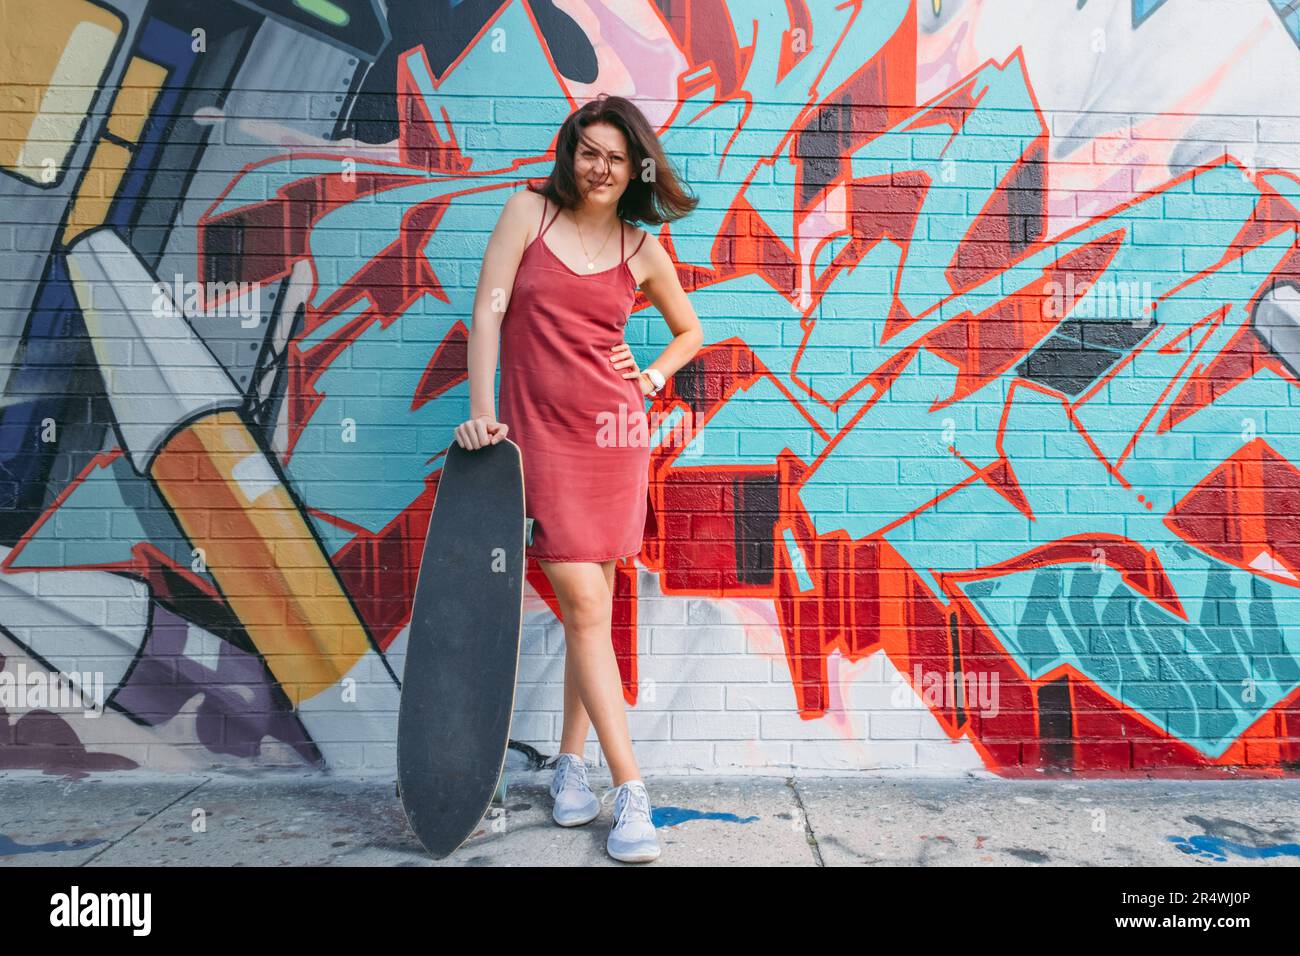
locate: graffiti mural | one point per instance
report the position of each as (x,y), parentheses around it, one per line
(1000,385)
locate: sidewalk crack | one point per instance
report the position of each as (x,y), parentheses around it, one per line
(808,833)
(147,819)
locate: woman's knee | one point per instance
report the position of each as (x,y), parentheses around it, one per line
(582,591)
(588,606)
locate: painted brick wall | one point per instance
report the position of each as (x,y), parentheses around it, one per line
(987,463)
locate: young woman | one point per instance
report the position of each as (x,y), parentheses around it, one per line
(571,259)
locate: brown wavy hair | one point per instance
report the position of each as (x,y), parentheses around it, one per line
(662,199)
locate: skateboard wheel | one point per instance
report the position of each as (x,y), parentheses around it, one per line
(499,795)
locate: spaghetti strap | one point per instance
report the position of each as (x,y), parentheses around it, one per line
(639,244)
(543,225)
(621,247)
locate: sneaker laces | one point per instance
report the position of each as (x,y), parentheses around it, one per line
(571,769)
(635,797)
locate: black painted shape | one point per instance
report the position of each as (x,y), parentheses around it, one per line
(1056,723)
(960,708)
(1067,365)
(757,503)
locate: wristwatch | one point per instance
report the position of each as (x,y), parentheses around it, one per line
(656,379)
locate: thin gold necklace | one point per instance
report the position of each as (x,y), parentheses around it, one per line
(591,260)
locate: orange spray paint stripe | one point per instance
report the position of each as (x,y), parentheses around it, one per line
(265,559)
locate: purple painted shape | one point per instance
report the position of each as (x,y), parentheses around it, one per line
(240,705)
(44,740)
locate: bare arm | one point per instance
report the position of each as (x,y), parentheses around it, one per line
(496,279)
(664,289)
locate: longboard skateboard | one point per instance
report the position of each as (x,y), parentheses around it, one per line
(462,656)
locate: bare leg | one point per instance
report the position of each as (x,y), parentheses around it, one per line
(584,591)
(577,722)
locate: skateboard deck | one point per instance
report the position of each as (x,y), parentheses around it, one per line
(462,656)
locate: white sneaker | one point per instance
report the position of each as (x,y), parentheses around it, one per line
(632,838)
(575,803)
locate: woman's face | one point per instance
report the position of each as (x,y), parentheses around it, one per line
(602,182)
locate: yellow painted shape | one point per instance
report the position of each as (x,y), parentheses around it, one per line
(53,55)
(135,98)
(97,189)
(258,546)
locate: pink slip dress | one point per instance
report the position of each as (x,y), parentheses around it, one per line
(580,426)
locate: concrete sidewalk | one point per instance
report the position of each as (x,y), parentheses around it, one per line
(314,819)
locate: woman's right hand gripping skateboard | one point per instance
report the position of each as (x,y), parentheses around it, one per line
(481,431)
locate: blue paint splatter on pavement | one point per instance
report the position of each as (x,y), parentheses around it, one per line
(1216,849)
(10,848)
(672,816)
